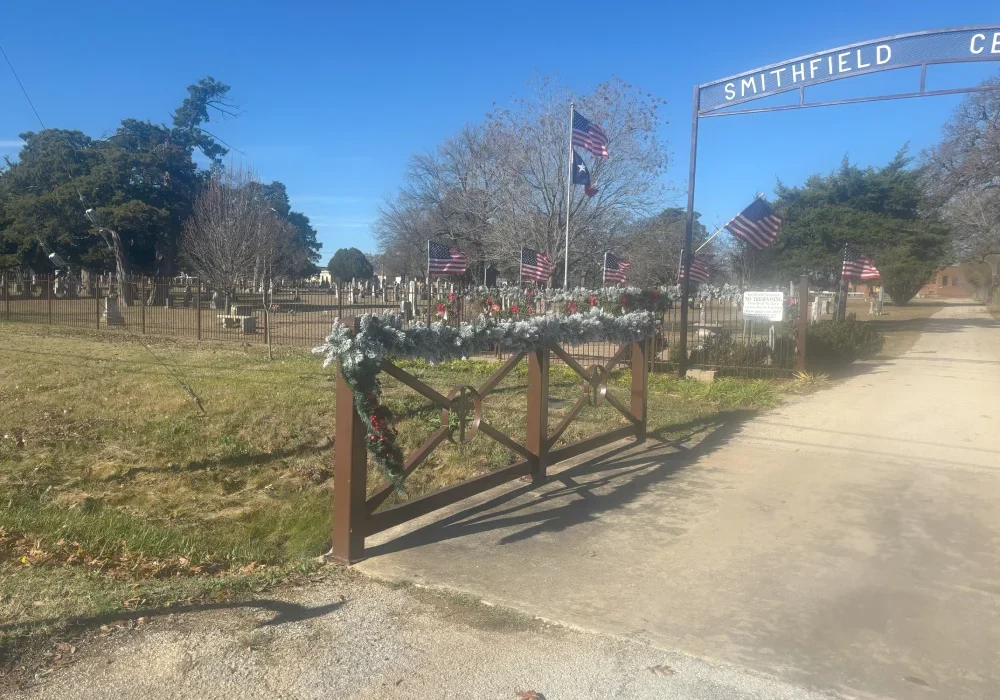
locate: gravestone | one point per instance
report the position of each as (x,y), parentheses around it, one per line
(492,275)
(110,313)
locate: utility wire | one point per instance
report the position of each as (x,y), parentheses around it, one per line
(21,85)
(175,375)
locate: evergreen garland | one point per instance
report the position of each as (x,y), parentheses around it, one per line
(382,337)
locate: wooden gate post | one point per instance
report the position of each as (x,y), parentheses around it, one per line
(800,346)
(640,381)
(537,440)
(350,473)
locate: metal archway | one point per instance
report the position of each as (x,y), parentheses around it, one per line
(719,97)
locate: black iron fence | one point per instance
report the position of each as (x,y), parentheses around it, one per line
(719,337)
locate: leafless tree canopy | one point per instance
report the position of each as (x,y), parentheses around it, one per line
(501,184)
(962,174)
(233,236)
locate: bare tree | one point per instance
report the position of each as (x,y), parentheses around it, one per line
(962,174)
(501,185)
(654,248)
(228,238)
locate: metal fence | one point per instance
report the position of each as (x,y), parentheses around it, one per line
(719,338)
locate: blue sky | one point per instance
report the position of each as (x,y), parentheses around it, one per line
(337,96)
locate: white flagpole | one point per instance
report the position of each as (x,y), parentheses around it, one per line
(520,269)
(722,228)
(569,196)
(604,270)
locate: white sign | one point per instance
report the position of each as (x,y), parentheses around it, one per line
(763,306)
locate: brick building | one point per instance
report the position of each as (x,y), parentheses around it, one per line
(949,282)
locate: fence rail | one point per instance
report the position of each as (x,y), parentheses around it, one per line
(720,338)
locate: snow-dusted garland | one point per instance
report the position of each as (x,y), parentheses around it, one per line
(606,297)
(381,337)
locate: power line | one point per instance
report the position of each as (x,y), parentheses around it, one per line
(21,85)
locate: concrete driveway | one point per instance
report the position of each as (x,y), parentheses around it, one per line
(848,541)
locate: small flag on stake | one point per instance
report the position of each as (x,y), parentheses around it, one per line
(858,265)
(615,269)
(699,270)
(535,266)
(445,260)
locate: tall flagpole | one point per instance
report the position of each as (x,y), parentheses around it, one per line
(520,269)
(604,270)
(569,195)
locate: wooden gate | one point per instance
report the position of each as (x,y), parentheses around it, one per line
(357,515)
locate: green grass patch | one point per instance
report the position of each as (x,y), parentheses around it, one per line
(116,488)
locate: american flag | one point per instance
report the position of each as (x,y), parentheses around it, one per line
(615,269)
(869,271)
(588,136)
(757,224)
(535,266)
(442,260)
(699,270)
(858,265)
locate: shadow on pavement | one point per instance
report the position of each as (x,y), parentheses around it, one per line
(284,612)
(603,483)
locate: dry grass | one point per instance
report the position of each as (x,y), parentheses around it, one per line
(901,325)
(118,493)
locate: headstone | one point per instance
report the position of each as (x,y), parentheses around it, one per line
(406,310)
(215,301)
(492,275)
(188,299)
(816,306)
(702,375)
(770,337)
(168,303)
(110,314)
